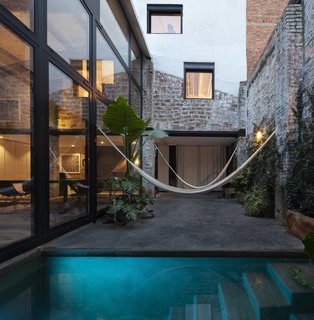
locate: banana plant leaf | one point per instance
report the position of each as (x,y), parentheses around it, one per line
(155,134)
(120,118)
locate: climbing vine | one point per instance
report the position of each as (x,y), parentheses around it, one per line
(256,184)
(300,179)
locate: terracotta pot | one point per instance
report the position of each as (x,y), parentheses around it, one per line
(299,224)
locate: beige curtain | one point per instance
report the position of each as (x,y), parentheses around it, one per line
(199,165)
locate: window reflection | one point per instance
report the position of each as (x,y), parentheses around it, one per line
(68,115)
(113,21)
(22,9)
(109,162)
(68,33)
(112,79)
(16,107)
(165,23)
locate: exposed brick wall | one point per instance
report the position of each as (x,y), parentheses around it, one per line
(262,17)
(272,88)
(170,111)
(308,45)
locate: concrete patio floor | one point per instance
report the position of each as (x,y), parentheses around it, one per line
(205,223)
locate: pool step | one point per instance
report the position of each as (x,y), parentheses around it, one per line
(211,300)
(302,316)
(299,297)
(234,302)
(198,312)
(266,299)
(177,313)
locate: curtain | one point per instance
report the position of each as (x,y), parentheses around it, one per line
(199,165)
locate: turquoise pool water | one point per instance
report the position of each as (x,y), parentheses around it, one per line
(104,288)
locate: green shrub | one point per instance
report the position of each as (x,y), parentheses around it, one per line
(256,201)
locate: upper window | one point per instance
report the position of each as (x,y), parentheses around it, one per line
(199,80)
(164,18)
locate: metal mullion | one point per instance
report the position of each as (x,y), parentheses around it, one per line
(41,128)
(65,68)
(92,164)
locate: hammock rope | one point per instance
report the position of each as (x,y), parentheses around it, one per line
(211,187)
(191,185)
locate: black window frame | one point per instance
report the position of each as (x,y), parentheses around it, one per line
(164,9)
(204,67)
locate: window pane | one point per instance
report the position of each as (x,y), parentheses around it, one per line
(22,9)
(109,161)
(199,85)
(163,23)
(68,125)
(112,78)
(68,33)
(113,21)
(16,109)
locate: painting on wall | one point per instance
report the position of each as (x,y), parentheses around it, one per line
(10,110)
(70,162)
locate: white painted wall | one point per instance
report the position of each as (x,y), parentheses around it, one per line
(213,31)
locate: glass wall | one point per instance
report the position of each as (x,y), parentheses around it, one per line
(68,125)
(116,26)
(48,94)
(112,78)
(68,33)
(16,106)
(22,9)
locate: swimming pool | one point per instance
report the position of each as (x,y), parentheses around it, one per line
(136,288)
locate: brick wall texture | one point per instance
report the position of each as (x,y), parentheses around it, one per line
(272,88)
(262,17)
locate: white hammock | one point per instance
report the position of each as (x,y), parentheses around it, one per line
(211,187)
(191,185)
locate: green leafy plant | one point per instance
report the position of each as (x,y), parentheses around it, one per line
(255,185)
(256,201)
(304,274)
(309,245)
(130,201)
(300,182)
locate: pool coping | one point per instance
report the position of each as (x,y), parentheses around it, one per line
(87,252)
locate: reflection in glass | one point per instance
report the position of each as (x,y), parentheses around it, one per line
(22,9)
(16,107)
(112,78)
(113,21)
(68,33)
(199,85)
(135,60)
(109,162)
(165,23)
(68,115)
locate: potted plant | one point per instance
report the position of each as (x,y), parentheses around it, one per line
(130,203)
